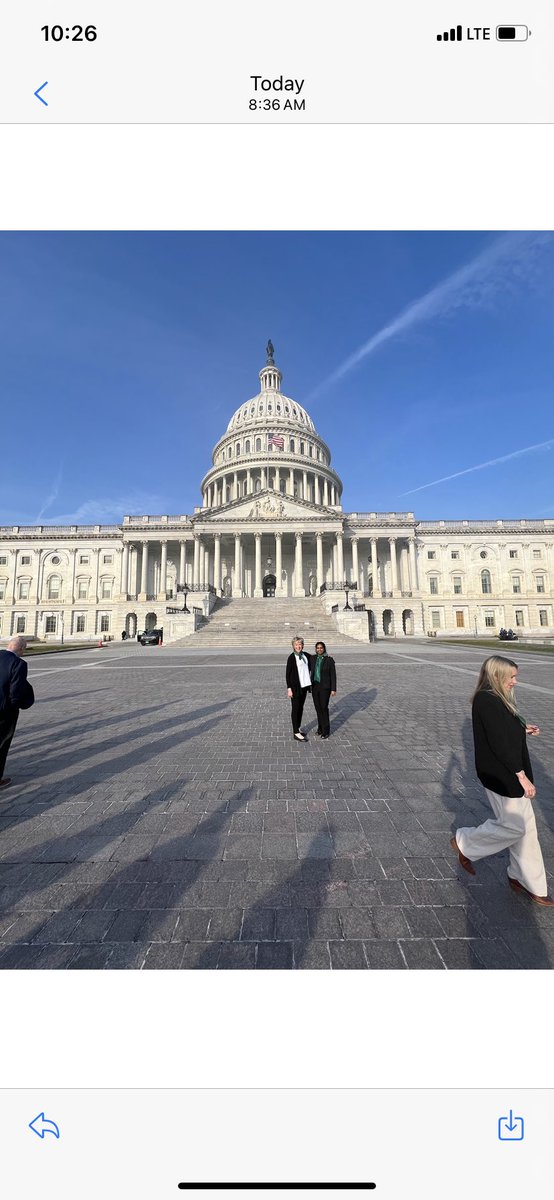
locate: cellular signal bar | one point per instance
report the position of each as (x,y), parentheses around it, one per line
(455,35)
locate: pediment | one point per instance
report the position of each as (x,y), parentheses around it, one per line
(266,506)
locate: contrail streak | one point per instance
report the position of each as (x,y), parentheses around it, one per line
(506,262)
(493,462)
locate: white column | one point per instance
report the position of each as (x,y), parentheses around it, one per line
(196,560)
(206,578)
(15,554)
(317,489)
(163,572)
(319,559)
(183,561)
(217,562)
(277,479)
(124,588)
(248,481)
(393,564)
(237,589)
(298,567)
(264,477)
(340,559)
(278,562)
(291,481)
(325,492)
(413,565)
(235,485)
(258,582)
(375,569)
(304,485)
(144,570)
(355,566)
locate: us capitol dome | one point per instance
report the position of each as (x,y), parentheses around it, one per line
(271,526)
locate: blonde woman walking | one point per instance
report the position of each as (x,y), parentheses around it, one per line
(503,766)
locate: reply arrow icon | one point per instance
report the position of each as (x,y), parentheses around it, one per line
(41,1125)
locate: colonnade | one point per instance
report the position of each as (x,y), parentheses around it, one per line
(211,558)
(310,485)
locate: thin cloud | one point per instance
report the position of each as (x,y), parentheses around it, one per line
(504,265)
(51,497)
(493,462)
(109,511)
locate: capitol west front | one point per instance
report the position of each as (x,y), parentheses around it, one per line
(271,525)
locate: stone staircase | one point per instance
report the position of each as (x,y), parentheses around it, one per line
(270,622)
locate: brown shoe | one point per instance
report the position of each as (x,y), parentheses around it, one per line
(463,861)
(546,901)
(5,782)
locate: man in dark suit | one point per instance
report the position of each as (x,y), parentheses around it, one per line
(298,684)
(15,693)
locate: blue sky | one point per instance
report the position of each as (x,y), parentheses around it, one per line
(419,357)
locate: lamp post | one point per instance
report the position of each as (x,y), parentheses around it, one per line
(347,588)
(185,589)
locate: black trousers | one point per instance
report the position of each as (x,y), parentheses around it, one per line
(297,708)
(321,701)
(7,730)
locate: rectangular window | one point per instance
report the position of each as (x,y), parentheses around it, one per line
(454,553)
(513,553)
(106,589)
(2,590)
(25,560)
(460,620)
(84,560)
(537,553)
(436,619)
(519,616)
(50,625)
(489,620)
(434,587)
(540,583)
(80,625)
(24,589)
(82,590)
(516,584)
(104,623)
(3,560)
(543,616)
(108,558)
(457,584)
(431,554)
(20,625)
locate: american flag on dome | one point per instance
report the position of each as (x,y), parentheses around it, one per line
(275,439)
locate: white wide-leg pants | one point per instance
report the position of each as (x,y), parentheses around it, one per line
(514,828)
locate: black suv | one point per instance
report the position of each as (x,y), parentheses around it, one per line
(151,637)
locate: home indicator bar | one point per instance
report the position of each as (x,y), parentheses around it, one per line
(278,1187)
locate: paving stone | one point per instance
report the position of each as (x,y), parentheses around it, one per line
(260,852)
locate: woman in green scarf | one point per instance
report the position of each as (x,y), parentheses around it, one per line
(324,685)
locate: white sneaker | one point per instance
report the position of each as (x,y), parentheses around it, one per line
(299,737)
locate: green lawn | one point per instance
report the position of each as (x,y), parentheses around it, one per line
(57,648)
(494,644)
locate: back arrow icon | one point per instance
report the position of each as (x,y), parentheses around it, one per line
(42,1125)
(38,95)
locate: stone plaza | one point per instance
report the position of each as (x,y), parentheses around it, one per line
(162,816)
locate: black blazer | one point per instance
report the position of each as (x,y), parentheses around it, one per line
(293,680)
(15,692)
(500,745)
(328,673)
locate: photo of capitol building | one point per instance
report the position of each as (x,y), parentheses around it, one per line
(271,527)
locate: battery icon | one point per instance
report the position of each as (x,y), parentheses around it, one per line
(512,33)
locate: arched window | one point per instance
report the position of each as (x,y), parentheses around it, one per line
(302,448)
(291,446)
(486,582)
(237,449)
(54,587)
(258,443)
(229,451)
(247,447)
